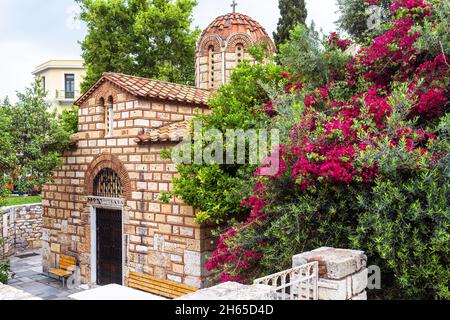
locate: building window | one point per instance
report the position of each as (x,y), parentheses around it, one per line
(211,66)
(107,184)
(69,86)
(43,83)
(109,117)
(239,53)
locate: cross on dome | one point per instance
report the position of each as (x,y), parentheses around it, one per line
(234,5)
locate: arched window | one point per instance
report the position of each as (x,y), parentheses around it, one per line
(109,117)
(211,70)
(101,103)
(107,184)
(239,53)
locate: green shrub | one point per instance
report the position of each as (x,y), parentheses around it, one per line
(216,191)
(404,228)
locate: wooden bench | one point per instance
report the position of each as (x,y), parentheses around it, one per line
(66,268)
(160,287)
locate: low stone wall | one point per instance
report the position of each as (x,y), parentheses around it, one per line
(20,229)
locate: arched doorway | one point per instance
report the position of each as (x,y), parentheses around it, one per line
(106,221)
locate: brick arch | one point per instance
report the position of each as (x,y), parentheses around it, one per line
(210,40)
(107,161)
(236,38)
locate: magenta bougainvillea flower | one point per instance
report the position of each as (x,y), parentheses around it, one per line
(331,134)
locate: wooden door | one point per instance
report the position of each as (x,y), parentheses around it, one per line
(109,247)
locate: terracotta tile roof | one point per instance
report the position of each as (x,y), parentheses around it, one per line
(143,87)
(175,132)
(231,23)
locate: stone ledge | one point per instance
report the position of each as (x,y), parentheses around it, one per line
(335,264)
(233,291)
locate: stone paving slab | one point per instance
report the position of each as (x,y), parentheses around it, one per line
(11,293)
(30,283)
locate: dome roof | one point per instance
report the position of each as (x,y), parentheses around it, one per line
(232,23)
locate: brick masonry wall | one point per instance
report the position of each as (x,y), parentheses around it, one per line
(20,229)
(207,70)
(164,240)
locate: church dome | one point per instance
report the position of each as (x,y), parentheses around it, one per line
(233,23)
(224,44)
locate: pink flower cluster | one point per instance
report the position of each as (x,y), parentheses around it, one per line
(335,41)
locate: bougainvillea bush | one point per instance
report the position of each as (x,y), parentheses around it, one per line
(365,166)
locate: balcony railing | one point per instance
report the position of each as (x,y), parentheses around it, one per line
(67,95)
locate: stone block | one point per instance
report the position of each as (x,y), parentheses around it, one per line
(140,231)
(142,249)
(193,263)
(158,242)
(174,278)
(339,263)
(359,281)
(193,281)
(334,289)
(55,247)
(360,297)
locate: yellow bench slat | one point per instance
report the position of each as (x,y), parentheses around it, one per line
(157,286)
(155,290)
(162,281)
(161,287)
(60,272)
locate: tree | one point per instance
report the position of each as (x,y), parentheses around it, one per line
(310,59)
(69,120)
(143,38)
(293,12)
(7,154)
(31,143)
(358,21)
(37,138)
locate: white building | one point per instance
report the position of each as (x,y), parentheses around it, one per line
(61,80)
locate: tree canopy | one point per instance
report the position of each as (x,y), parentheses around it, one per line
(32,139)
(138,37)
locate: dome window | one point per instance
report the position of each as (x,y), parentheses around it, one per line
(239,52)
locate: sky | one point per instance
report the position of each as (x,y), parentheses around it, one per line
(35,31)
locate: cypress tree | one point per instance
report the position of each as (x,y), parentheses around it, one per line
(293,12)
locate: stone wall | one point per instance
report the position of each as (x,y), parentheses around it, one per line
(21,229)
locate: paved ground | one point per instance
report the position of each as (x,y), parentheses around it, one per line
(30,280)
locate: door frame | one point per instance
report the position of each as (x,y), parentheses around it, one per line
(93,224)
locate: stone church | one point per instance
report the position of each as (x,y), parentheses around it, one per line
(102,206)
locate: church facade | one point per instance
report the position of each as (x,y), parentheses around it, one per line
(103,206)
